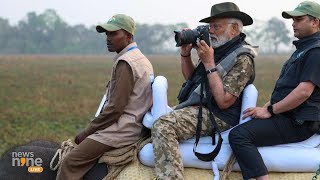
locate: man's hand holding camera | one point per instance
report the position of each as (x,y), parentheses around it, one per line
(206,54)
(185,50)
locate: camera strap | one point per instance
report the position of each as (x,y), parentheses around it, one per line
(210,156)
(190,91)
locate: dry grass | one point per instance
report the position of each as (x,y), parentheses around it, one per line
(53,97)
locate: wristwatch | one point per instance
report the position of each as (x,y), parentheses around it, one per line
(211,70)
(270,110)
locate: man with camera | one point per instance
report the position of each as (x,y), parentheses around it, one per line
(293,112)
(224,68)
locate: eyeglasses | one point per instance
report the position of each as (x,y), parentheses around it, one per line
(217,26)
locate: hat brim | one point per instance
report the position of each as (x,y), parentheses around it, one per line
(245,18)
(290,14)
(106,27)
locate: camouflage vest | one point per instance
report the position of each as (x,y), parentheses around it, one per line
(190,92)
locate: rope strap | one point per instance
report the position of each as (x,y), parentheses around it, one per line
(66,147)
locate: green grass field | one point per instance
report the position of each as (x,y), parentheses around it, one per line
(54,97)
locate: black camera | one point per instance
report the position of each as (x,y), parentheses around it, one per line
(191,36)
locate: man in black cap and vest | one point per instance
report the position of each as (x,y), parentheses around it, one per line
(225,87)
(293,112)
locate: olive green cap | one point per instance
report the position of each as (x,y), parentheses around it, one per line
(228,10)
(117,22)
(305,8)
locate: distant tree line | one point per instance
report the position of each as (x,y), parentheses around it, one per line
(47,33)
(270,35)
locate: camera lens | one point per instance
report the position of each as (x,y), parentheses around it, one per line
(184,37)
(177,38)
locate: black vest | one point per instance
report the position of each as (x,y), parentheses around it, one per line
(289,79)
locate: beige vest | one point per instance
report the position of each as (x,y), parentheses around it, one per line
(128,128)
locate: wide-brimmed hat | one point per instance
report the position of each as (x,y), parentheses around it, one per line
(305,8)
(228,10)
(117,22)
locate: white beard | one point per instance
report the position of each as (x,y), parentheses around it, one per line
(217,41)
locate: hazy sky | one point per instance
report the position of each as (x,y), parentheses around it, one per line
(143,11)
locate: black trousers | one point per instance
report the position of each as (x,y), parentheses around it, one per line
(279,129)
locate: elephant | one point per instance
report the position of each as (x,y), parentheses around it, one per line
(45,150)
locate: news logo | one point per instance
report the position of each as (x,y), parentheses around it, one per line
(27,159)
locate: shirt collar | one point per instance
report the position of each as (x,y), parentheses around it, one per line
(124,50)
(306,40)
